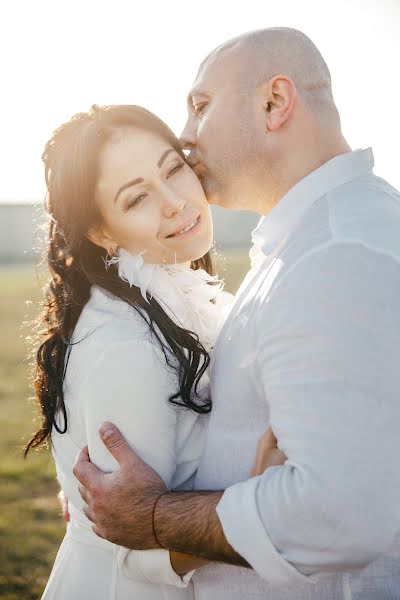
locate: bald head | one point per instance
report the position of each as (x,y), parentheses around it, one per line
(261,55)
(260,117)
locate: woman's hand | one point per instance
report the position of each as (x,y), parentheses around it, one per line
(183,563)
(268,454)
(63,500)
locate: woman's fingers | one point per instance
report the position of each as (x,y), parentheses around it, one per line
(268,439)
(268,454)
(64,505)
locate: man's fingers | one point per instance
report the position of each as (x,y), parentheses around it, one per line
(85,471)
(115,442)
(97,531)
(88,512)
(84,493)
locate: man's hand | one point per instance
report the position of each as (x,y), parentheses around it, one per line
(120,504)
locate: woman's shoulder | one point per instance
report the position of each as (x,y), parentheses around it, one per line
(113,336)
(108,319)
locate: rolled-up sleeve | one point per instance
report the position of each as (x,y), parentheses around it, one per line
(328,358)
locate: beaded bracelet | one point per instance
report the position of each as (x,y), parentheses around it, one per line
(152,519)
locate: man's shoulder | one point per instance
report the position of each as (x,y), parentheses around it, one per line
(365,209)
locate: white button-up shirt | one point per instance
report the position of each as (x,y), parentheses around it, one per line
(312,347)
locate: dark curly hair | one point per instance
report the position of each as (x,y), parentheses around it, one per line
(75,264)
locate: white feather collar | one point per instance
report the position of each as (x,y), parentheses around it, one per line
(193,299)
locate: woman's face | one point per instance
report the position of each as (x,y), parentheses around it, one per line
(150,200)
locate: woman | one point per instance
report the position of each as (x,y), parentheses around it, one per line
(131,317)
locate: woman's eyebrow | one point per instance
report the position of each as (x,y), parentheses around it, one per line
(140,179)
(164,156)
(126,185)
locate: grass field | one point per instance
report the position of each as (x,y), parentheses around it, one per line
(30,524)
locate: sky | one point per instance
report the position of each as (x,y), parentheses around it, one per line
(59,57)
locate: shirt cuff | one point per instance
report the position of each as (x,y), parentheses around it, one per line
(243,528)
(151,566)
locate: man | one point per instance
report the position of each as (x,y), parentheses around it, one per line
(311,348)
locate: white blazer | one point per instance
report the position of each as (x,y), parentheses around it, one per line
(117,372)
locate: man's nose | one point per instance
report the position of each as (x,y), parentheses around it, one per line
(187,138)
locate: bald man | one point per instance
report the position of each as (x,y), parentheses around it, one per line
(311,348)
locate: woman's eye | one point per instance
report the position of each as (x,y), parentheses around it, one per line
(135,201)
(176,169)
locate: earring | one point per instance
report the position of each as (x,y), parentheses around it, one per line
(111,257)
(112,251)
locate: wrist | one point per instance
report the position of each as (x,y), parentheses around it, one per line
(179,518)
(187,522)
(153,520)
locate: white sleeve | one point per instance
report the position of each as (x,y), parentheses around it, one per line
(129,385)
(328,358)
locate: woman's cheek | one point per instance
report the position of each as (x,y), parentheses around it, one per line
(142,230)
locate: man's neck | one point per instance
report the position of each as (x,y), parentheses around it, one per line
(302,164)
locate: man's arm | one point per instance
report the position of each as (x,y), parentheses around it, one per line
(328,357)
(148,516)
(173,517)
(188,522)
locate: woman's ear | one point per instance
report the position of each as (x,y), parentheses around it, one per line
(279,95)
(98,236)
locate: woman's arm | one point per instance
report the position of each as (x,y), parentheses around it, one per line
(122,376)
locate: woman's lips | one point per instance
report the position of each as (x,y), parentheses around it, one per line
(187,230)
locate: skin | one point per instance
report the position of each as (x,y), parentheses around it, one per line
(166,196)
(252,133)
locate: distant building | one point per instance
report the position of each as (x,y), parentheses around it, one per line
(22,230)
(20,235)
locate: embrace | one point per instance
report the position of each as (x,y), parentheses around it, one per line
(213,447)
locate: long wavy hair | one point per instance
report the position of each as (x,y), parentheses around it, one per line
(71,160)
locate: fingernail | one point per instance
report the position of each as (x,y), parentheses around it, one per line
(106,431)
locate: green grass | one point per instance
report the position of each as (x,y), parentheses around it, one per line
(30,524)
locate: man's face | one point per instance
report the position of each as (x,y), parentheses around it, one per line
(221,131)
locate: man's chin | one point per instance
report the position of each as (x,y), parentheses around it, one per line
(213,197)
(227,198)
(217,200)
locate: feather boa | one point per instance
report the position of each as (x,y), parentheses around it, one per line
(195,300)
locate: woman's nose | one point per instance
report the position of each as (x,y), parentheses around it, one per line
(173,203)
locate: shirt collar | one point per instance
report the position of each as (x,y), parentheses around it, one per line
(334,173)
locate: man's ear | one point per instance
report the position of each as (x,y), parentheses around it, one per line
(279,95)
(98,236)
